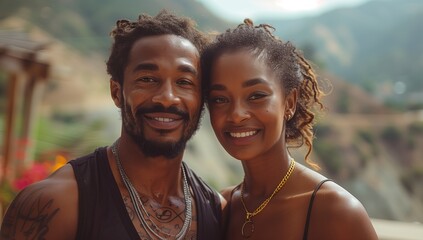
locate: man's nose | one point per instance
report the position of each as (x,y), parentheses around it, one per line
(166,95)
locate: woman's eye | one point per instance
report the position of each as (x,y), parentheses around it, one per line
(256,96)
(218,100)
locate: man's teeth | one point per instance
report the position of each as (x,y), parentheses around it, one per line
(161,119)
(242,134)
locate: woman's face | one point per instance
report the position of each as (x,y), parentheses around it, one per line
(247,106)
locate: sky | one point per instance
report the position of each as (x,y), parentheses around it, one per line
(236,10)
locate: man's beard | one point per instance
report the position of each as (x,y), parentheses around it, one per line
(133,126)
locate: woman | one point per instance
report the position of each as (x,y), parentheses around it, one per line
(260,93)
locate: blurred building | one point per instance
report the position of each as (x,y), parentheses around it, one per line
(22,61)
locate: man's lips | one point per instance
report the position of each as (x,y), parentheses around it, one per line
(163,121)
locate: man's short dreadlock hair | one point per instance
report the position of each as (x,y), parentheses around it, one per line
(292,69)
(127,32)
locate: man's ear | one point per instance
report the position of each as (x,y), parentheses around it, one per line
(291,104)
(115,92)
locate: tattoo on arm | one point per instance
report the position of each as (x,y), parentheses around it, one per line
(29,215)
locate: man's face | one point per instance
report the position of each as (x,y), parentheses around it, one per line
(161,104)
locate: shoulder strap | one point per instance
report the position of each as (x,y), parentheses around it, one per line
(310,206)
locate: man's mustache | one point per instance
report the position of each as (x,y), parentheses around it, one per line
(160,108)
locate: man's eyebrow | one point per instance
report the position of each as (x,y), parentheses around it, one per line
(146,66)
(188,69)
(252,82)
(154,67)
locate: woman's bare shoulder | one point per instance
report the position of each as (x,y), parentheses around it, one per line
(342,216)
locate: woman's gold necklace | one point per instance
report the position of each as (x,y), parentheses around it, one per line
(248,226)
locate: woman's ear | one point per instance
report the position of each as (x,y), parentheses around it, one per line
(116,93)
(291,104)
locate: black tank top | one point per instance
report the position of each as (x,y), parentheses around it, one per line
(102,213)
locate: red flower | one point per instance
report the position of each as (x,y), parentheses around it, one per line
(37,172)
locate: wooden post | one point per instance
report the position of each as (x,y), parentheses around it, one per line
(15,86)
(33,95)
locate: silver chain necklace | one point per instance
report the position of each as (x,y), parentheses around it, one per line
(136,201)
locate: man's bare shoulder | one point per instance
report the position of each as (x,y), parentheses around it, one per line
(44,210)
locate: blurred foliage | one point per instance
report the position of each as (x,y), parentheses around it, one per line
(330,155)
(310,53)
(3,89)
(362,157)
(366,136)
(416,128)
(411,143)
(38,171)
(57,139)
(370,140)
(7,193)
(69,133)
(343,103)
(322,130)
(391,134)
(412,178)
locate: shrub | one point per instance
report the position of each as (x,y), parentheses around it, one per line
(391,134)
(415,128)
(329,155)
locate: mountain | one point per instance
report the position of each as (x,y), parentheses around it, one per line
(85,25)
(377,45)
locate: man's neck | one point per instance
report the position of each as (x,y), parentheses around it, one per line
(157,177)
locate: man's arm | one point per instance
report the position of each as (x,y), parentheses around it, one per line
(44,210)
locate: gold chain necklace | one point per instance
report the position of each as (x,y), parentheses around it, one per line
(249,224)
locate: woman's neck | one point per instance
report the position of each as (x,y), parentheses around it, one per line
(262,175)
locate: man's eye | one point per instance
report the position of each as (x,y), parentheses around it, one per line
(184,82)
(147,79)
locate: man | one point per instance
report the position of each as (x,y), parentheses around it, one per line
(138,188)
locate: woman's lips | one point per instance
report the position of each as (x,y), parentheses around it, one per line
(241,137)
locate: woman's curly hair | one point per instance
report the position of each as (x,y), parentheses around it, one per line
(293,70)
(126,33)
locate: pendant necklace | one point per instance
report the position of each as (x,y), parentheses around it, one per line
(154,231)
(247,229)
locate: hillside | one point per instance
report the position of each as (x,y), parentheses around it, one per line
(345,97)
(375,45)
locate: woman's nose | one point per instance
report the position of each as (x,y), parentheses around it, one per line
(238,112)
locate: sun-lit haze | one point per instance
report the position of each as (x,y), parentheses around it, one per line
(235,10)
